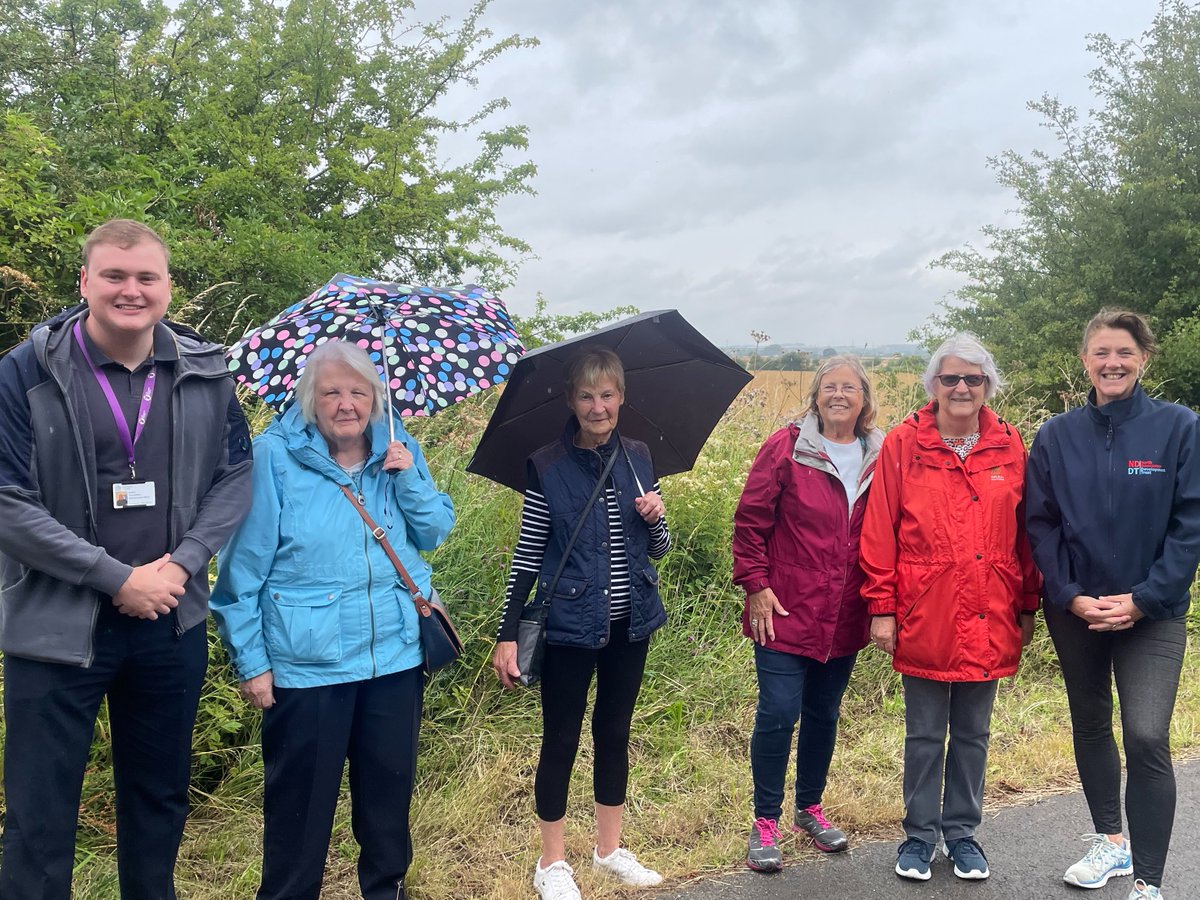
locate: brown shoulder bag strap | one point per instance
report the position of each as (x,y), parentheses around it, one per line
(380,535)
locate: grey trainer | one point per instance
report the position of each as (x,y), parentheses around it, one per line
(811,820)
(762,850)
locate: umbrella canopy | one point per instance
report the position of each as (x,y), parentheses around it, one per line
(677,386)
(432,346)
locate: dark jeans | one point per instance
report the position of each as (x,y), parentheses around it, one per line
(152,680)
(307,737)
(1146,661)
(792,688)
(943,781)
(566,677)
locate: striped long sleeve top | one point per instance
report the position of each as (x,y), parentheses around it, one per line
(531,547)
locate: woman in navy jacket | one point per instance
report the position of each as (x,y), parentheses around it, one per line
(1113,506)
(605,607)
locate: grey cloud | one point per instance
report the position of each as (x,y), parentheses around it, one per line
(787,165)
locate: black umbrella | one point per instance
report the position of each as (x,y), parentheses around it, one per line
(677,386)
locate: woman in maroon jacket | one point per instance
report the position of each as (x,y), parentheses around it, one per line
(795,553)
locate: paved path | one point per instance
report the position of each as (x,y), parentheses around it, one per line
(1027,847)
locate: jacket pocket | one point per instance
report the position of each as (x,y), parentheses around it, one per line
(926,634)
(567,589)
(309,625)
(410,626)
(914,582)
(1005,598)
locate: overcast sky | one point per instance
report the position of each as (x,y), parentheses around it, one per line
(791,166)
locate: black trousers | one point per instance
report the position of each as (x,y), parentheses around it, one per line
(308,735)
(152,680)
(1145,661)
(566,677)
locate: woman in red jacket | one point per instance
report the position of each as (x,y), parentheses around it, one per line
(952,591)
(795,553)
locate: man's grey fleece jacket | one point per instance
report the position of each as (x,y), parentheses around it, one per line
(53,576)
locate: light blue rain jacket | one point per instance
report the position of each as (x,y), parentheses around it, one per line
(303,589)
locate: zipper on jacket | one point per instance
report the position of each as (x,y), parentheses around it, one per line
(607,594)
(90,489)
(837,617)
(367,537)
(1108,443)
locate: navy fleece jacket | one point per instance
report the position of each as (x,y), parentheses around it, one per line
(1112,499)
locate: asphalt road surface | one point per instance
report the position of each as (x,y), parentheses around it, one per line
(1028,848)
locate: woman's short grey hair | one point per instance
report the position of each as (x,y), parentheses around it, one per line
(349,355)
(967,348)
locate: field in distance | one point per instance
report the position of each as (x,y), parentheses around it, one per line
(786,393)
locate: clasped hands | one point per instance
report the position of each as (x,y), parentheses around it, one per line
(152,590)
(1113,612)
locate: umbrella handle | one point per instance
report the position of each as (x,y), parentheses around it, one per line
(633,472)
(387,375)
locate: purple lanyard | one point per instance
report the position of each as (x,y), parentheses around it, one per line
(115,406)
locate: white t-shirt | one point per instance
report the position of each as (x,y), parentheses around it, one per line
(847,459)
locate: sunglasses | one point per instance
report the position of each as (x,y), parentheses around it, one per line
(953,380)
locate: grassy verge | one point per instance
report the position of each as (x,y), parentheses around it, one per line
(689,809)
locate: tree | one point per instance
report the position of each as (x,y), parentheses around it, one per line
(273,143)
(789,361)
(544,327)
(1112,220)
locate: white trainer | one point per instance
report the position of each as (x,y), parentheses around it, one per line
(624,865)
(1143,891)
(1104,860)
(556,881)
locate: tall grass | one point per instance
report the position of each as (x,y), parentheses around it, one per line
(689,806)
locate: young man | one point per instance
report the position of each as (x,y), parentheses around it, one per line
(124,466)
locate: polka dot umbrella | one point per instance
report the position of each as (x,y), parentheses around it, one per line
(432,346)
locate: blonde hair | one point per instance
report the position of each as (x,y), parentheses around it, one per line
(123,233)
(870,409)
(593,366)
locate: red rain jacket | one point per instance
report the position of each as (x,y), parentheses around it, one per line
(793,532)
(945,551)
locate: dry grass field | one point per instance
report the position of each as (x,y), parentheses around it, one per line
(785,394)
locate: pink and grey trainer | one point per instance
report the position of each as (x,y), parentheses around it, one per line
(811,820)
(762,852)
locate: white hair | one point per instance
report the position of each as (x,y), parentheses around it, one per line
(350,355)
(966,347)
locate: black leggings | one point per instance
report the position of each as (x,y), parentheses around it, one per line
(1146,661)
(566,677)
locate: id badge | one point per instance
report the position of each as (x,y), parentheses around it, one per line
(133,494)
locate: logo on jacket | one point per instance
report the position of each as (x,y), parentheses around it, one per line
(1145,467)
(997,474)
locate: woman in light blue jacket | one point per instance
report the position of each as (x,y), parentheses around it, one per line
(319,626)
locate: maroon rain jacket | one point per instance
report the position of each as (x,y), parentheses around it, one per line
(794,533)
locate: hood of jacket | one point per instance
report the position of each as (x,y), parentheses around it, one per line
(308,446)
(51,342)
